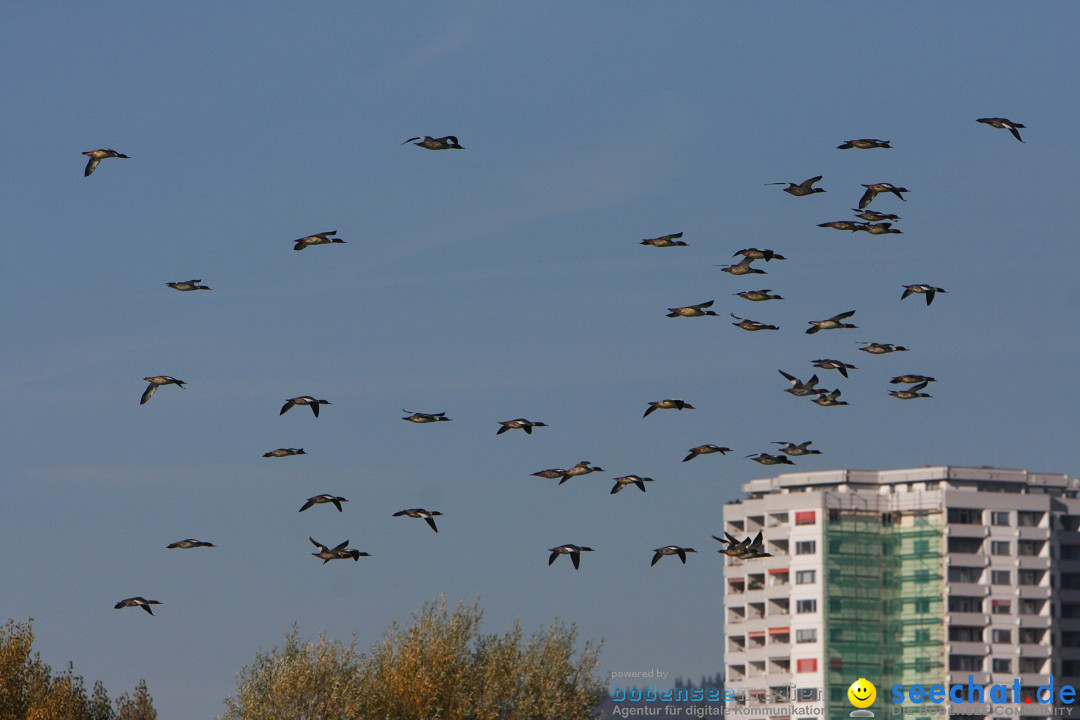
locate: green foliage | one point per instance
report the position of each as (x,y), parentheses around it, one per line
(30,690)
(441,667)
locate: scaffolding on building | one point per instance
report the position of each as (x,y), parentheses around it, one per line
(884,595)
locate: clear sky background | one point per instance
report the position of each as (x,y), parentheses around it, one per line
(501,281)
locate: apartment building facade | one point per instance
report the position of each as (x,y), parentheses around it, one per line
(923,576)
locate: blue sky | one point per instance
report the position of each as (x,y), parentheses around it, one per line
(502,281)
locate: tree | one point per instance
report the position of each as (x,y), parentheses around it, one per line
(441,667)
(30,690)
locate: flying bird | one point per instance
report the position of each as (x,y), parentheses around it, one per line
(189,543)
(881,348)
(322,499)
(157,381)
(794,450)
(666,241)
(912,392)
(427,515)
(582,468)
(830,364)
(303,400)
(692,310)
(339,552)
(285,452)
(574,551)
(187,285)
(803,188)
(669,404)
(767,459)
(751,325)
(671,550)
(427,142)
(884,228)
(829,399)
(864,144)
(798,387)
(758,295)
(136,601)
(317,239)
(705,450)
(621,482)
(420,418)
(519,424)
(96,156)
(1000,123)
(928,290)
(832,323)
(742,268)
(843,225)
(757,254)
(872,216)
(875,188)
(906,379)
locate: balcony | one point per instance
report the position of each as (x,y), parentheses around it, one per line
(1035,621)
(1033,533)
(968,589)
(975,560)
(971,619)
(969,648)
(968,531)
(1033,562)
(1034,650)
(960,677)
(1034,592)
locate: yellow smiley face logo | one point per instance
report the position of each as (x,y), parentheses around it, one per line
(862,693)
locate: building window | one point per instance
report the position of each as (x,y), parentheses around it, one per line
(1031,607)
(922,636)
(1001,636)
(965,633)
(1002,665)
(805,577)
(806,517)
(922,605)
(1000,519)
(922,575)
(806,547)
(965,574)
(1030,577)
(806,665)
(968,663)
(1031,636)
(965,516)
(1026,518)
(806,636)
(965,603)
(1000,577)
(922,546)
(806,606)
(999,547)
(1000,607)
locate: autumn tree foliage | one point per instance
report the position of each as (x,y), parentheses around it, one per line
(31,690)
(440,667)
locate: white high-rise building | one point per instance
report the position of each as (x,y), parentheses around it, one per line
(922,576)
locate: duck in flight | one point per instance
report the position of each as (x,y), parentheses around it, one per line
(519,424)
(794,450)
(285,452)
(420,418)
(671,550)
(803,188)
(317,239)
(322,499)
(884,228)
(339,552)
(303,400)
(873,189)
(757,254)
(621,482)
(873,216)
(832,323)
(742,268)
(691,310)
(188,544)
(187,285)
(705,450)
(830,364)
(427,515)
(758,295)
(864,144)
(666,241)
(137,602)
(427,142)
(157,381)
(828,399)
(574,551)
(927,290)
(582,468)
(1000,123)
(767,459)
(875,348)
(798,387)
(912,392)
(907,379)
(751,325)
(96,156)
(669,404)
(843,225)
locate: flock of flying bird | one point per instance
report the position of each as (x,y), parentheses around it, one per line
(874,222)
